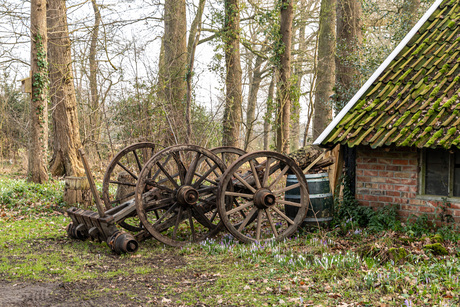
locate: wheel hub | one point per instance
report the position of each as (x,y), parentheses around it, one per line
(187,195)
(264,198)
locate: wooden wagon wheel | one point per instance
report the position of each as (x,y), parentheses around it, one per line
(186,210)
(261,198)
(121,176)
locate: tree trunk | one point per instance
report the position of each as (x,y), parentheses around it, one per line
(38,147)
(233,99)
(325,76)
(299,73)
(194,37)
(254,86)
(409,17)
(284,87)
(65,159)
(95,114)
(175,60)
(349,40)
(269,112)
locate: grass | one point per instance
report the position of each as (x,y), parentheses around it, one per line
(322,268)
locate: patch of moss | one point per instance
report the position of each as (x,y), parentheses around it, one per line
(402,118)
(436,249)
(437,238)
(407,241)
(450,101)
(398,255)
(437,135)
(435,91)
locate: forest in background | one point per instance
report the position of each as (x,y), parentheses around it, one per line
(252,74)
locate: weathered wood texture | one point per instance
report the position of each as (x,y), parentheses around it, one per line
(76,191)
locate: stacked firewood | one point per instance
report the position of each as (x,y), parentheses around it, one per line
(305,156)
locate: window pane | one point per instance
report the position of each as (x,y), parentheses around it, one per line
(457,174)
(437,172)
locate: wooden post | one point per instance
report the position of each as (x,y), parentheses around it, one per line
(92,185)
(336,169)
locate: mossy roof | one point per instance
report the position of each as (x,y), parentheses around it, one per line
(413,98)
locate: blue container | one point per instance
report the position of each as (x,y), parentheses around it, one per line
(319,191)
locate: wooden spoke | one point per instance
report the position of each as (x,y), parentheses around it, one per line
(270,221)
(283,215)
(244,182)
(137,160)
(283,172)
(116,201)
(158,221)
(127,170)
(259,224)
(158,185)
(167,175)
(229,193)
(213,216)
(237,205)
(176,225)
(290,203)
(207,180)
(158,204)
(246,220)
(159,170)
(123,183)
(167,179)
(192,169)
(239,208)
(182,169)
(205,176)
(190,220)
(211,166)
(254,174)
(285,189)
(205,191)
(267,172)
(202,218)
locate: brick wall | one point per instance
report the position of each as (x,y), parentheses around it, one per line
(390,176)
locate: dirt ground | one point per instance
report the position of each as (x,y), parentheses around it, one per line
(138,290)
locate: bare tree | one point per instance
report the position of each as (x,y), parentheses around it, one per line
(233,100)
(174,69)
(349,40)
(65,159)
(325,67)
(284,70)
(38,147)
(95,112)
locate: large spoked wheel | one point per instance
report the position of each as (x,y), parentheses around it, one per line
(185,178)
(258,211)
(121,176)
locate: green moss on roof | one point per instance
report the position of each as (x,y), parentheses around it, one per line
(414,100)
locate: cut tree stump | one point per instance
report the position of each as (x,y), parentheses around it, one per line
(76,191)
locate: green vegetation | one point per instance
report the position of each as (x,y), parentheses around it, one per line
(367,258)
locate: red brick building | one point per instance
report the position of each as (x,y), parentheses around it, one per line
(403,125)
